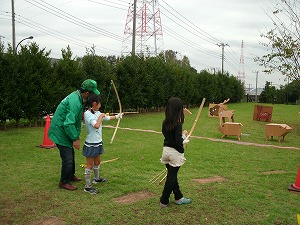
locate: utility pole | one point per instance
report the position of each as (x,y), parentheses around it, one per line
(13,25)
(256,85)
(133,28)
(222,45)
(287,93)
(249,93)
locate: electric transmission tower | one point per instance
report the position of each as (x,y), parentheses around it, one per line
(241,72)
(143,29)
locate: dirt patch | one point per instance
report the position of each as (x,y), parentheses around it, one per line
(273,172)
(134,197)
(210,180)
(47,221)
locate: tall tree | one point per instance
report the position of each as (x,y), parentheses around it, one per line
(268,95)
(292,92)
(170,56)
(67,76)
(34,70)
(8,70)
(283,40)
(101,69)
(131,73)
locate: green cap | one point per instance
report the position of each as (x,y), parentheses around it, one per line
(90,85)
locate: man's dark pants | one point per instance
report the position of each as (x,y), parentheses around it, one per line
(67,155)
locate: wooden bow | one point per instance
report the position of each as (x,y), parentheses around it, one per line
(120,111)
(196,120)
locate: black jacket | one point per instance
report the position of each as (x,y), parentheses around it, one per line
(173,138)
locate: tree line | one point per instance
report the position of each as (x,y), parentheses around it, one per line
(288,94)
(32,85)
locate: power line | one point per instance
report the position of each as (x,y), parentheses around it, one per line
(199,29)
(59,35)
(119,6)
(188,42)
(187,25)
(72,19)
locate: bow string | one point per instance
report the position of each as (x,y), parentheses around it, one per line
(120,111)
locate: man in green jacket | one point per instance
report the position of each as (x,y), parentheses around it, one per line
(65,129)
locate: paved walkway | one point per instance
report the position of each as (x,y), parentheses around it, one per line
(215,139)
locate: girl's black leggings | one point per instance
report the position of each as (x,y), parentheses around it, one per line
(171,185)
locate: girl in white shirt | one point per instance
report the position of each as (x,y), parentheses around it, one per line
(93,145)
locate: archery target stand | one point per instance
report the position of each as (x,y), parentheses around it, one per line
(279,130)
(231,129)
(261,113)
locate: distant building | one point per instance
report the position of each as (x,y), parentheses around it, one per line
(53,60)
(251,93)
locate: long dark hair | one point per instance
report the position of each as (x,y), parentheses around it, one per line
(91,99)
(173,113)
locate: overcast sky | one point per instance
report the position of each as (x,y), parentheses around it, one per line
(193,28)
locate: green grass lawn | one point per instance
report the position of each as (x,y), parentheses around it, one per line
(248,195)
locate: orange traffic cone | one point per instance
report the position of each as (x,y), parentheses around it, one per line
(47,143)
(296,186)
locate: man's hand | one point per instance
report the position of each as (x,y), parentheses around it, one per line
(76,144)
